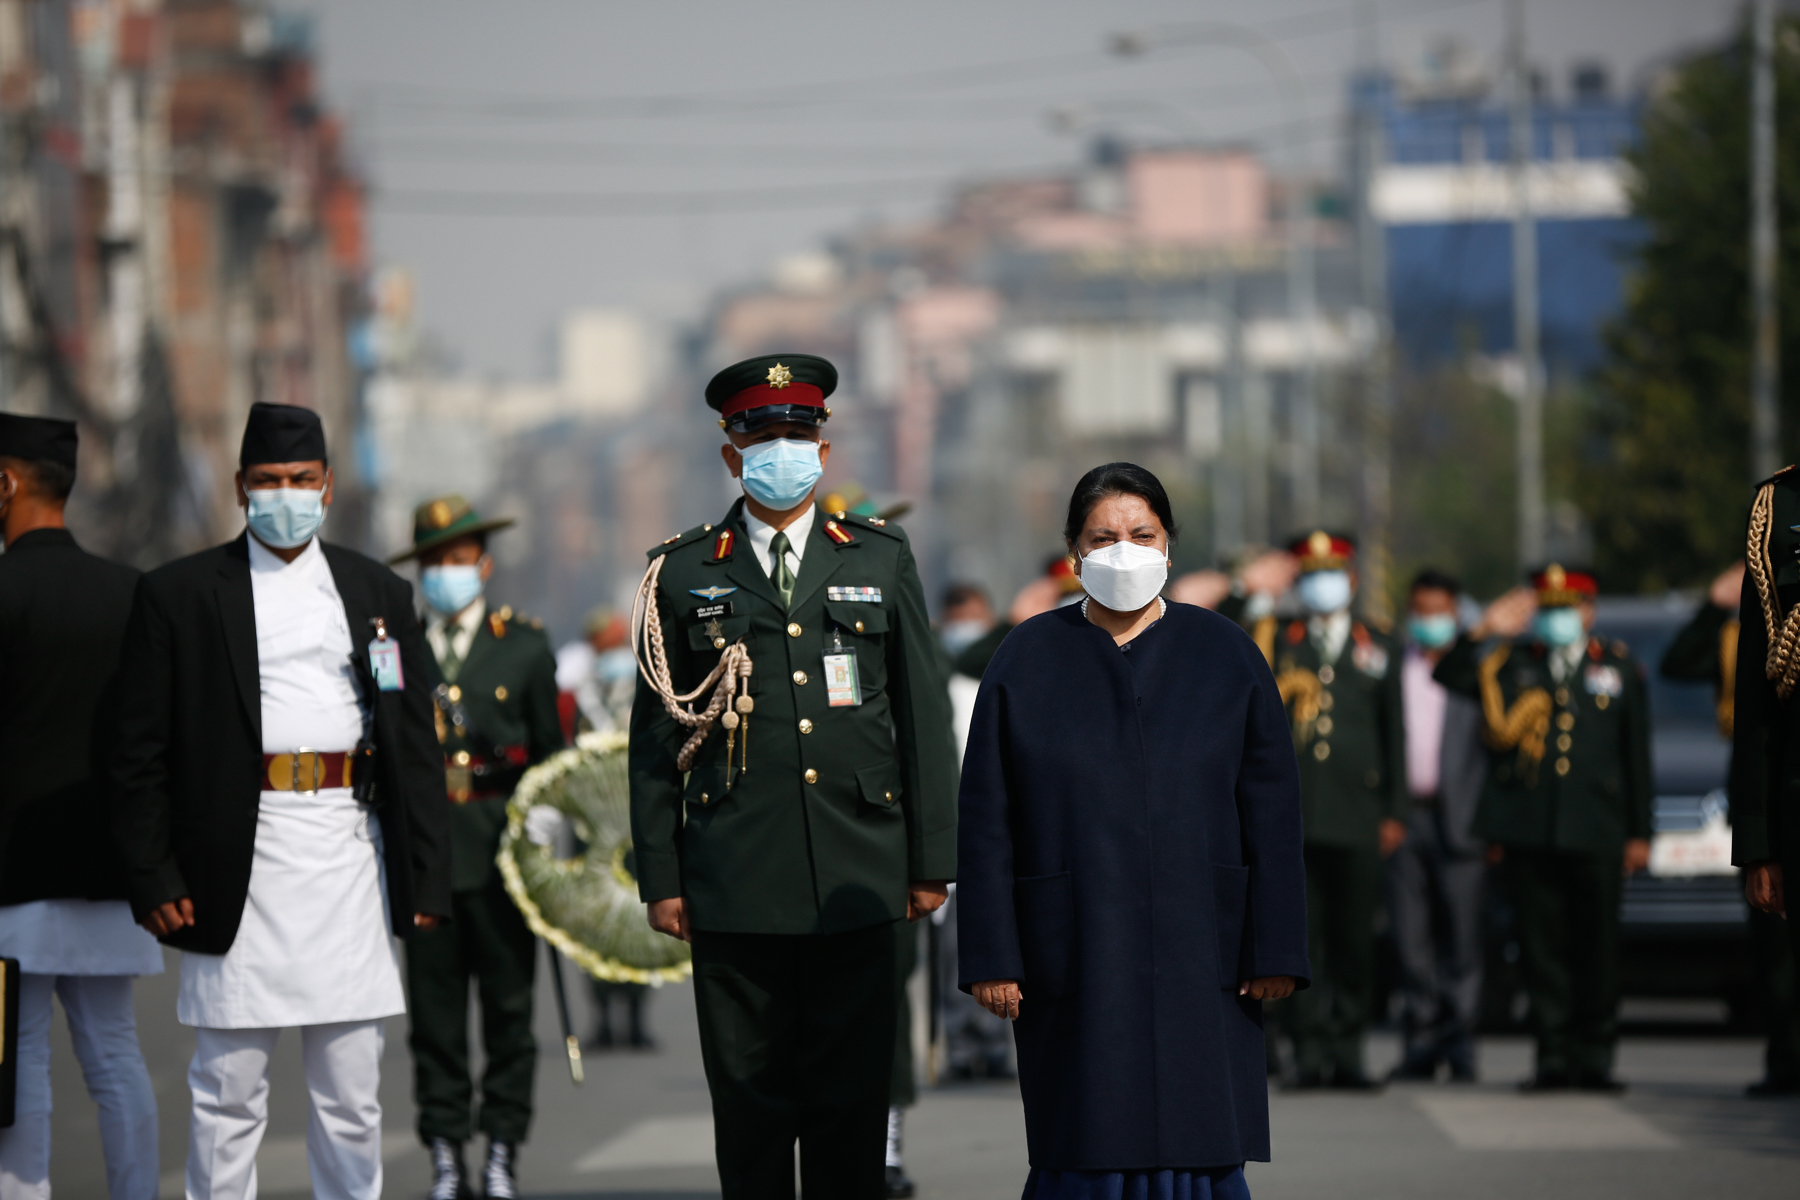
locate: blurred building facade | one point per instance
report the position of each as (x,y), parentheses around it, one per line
(181,235)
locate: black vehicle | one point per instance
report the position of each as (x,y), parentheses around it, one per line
(1685,929)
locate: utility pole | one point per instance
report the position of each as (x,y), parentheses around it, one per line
(1765,379)
(1377,556)
(1525,301)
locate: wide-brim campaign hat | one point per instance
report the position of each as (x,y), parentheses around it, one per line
(444,519)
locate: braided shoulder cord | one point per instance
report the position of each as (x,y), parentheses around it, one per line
(1783,663)
(1525,725)
(652,655)
(1299,690)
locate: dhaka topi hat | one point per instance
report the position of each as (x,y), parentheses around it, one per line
(38,439)
(282,433)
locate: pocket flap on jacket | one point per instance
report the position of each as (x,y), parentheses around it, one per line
(880,786)
(858,618)
(705,786)
(700,635)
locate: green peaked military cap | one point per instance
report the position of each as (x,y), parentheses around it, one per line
(772,387)
(445,519)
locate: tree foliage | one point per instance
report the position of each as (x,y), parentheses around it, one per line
(1666,481)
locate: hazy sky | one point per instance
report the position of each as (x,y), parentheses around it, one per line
(530,156)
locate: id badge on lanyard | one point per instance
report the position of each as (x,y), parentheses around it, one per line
(842,687)
(384,660)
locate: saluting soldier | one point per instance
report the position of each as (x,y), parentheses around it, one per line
(1765,788)
(1566,718)
(1340,680)
(493,680)
(803,802)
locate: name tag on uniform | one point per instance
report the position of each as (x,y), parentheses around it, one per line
(384,664)
(1603,680)
(711,612)
(841,687)
(857,595)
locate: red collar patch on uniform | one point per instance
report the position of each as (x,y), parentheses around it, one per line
(838,533)
(1595,650)
(722,547)
(1296,632)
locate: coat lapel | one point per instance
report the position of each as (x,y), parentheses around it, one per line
(237,620)
(742,568)
(820,562)
(481,645)
(359,607)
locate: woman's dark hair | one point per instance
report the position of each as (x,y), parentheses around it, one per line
(1116,479)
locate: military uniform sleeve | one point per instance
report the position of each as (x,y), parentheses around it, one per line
(921,711)
(1393,732)
(543,723)
(1640,777)
(1693,655)
(139,771)
(419,763)
(1756,706)
(655,790)
(1459,670)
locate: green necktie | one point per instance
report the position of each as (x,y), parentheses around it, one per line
(783,574)
(452,663)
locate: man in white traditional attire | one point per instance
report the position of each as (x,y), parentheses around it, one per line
(280,803)
(63,914)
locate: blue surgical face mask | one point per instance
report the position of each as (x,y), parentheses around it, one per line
(1325,592)
(285,517)
(958,636)
(781,473)
(1432,632)
(1558,626)
(451,588)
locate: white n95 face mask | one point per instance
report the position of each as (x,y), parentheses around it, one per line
(1125,576)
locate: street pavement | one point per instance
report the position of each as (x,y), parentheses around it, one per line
(639,1128)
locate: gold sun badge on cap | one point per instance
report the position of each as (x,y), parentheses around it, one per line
(439,514)
(1319,544)
(1555,578)
(780,376)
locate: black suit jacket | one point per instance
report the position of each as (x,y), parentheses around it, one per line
(62,621)
(188,767)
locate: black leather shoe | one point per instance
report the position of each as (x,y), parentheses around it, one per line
(1599,1083)
(899,1187)
(1353,1081)
(1774,1087)
(498,1178)
(449,1179)
(1547,1081)
(1416,1068)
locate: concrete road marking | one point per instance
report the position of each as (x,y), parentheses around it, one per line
(281,1164)
(1487,1121)
(657,1142)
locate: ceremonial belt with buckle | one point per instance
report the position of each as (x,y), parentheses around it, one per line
(471,777)
(307,771)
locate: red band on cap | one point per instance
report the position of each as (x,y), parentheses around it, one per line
(762,395)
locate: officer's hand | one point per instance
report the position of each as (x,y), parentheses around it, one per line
(426,921)
(1728,588)
(999,996)
(1507,617)
(1393,836)
(1762,887)
(1637,855)
(1273,987)
(1270,574)
(926,897)
(670,917)
(170,916)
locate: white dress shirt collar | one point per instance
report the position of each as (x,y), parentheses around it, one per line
(1564,659)
(762,534)
(1329,633)
(456,633)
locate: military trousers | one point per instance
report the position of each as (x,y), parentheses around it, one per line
(797,1036)
(486,942)
(1567,913)
(1434,900)
(1329,1020)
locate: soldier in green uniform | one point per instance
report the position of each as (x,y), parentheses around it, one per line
(803,802)
(1340,680)
(1765,787)
(495,688)
(1567,721)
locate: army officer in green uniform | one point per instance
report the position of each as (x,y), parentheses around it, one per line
(1340,680)
(809,806)
(495,688)
(1566,718)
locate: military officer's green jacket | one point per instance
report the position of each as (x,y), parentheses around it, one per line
(506,691)
(841,807)
(1765,747)
(1569,763)
(1349,733)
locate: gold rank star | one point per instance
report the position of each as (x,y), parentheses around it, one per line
(780,376)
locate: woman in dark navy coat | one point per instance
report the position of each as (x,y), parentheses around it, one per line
(1130,880)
